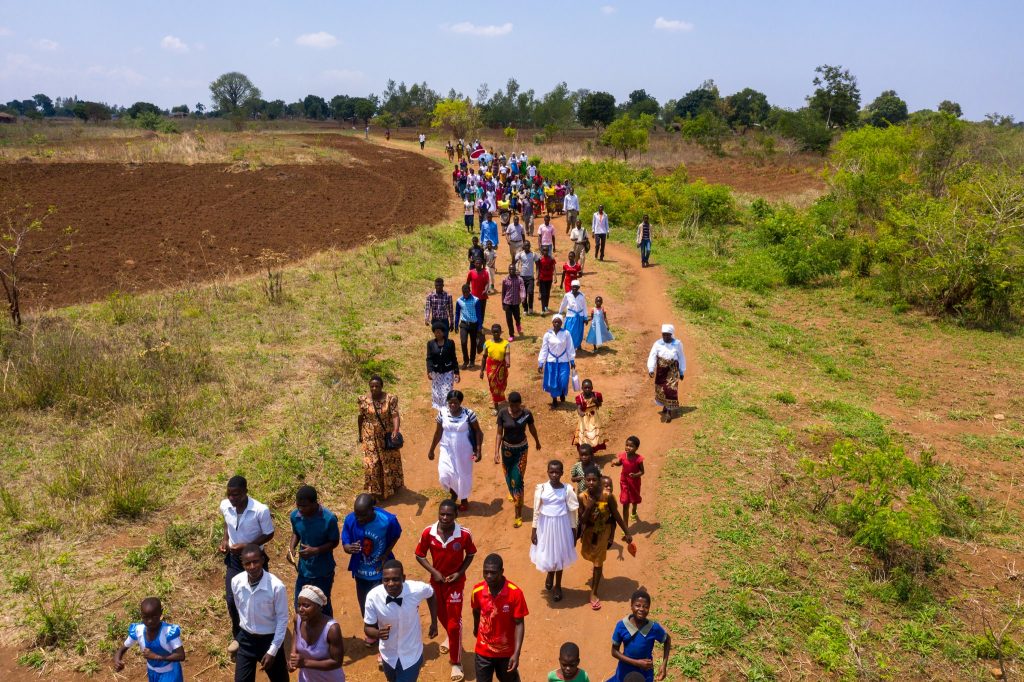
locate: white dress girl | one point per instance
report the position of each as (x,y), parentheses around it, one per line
(554,517)
(455,463)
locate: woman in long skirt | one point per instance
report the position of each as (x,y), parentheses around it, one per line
(589,426)
(511,448)
(667,364)
(553,541)
(442,365)
(574,307)
(378,415)
(499,359)
(459,434)
(556,359)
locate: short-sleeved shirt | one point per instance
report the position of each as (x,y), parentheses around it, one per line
(581,676)
(167,641)
(638,644)
(496,636)
(514,428)
(253,522)
(478,281)
(374,537)
(527,262)
(546,233)
(313,531)
(546,269)
(446,556)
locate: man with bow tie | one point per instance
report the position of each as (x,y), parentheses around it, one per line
(392,617)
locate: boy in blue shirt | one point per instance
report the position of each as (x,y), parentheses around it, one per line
(314,536)
(635,635)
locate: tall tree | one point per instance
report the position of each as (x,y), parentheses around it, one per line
(232,91)
(640,102)
(363,108)
(887,109)
(45,105)
(315,107)
(696,102)
(951,108)
(596,109)
(746,108)
(557,108)
(836,97)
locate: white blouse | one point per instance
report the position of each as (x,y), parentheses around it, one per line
(548,501)
(556,348)
(573,305)
(666,351)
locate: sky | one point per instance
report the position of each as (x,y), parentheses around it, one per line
(167,53)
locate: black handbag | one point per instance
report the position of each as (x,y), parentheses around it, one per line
(390,443)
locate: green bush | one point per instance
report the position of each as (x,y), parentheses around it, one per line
(806,250)
(694,297)
(708,130)
(804,126)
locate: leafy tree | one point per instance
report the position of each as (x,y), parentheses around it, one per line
(708,130)
(510,106)
(180,109)
(28,108)
(147,120)
(628,134)
(804,126)
(596,109)
(275,109)
(747,108)
(836,97)
(315,107)
(887,109)
(413,105)
(91,111)
(200,108)
(296,110)
(139,107)
(696,102)
(386,120)
(640,102)
(952,108)
(342,108)
(363,108)
(667,115)
(45,105)
(556,109)
(233,91)
(458,116)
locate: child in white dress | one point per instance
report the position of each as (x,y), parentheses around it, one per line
(553,547)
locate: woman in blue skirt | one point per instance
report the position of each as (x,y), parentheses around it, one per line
(556,359)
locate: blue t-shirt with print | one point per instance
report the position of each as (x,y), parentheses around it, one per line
(374,537)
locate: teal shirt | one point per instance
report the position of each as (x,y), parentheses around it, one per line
(581,676)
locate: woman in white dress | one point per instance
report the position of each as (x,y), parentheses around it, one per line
(458,431)
(557,357)
(553,541)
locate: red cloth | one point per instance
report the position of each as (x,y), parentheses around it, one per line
(629,487)
(478,281)
(446,557)
(546,269)
(496,636)
(569,273)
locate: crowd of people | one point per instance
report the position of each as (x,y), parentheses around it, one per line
(571,518)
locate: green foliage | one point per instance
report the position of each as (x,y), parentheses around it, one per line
(829,646)
(140,558)
(805,249)
(56,614)
(627,134)
(836,97)
(640,102)
(147,120)
(951,108)
(746,108)
(233,91)
(708,130)
(887,109)
(596,109)
(694,297)
(804,126)
(785,397)
(458,116)
(698,101)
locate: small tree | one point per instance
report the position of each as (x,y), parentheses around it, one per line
(887,109)
(511,134)
(628,134)
(364,108)
(836,97)
(23,224)
(708,130)
(458,116)
(952,108)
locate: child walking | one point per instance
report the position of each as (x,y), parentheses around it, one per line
(629,481)
(159,643)
(599,334)
(490,258)
(633,642)
(586,460)
(568,665)
(589,425)
(553,541)
(598,517)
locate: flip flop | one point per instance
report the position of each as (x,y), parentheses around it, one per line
(517,523)
(557,596)
(595,604)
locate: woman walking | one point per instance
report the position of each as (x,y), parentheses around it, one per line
(574,307)
(511,448)
(556,359)
(317,648)
(599,514)
(442,365)
(458,432)
(499,359)
(589,426)
(667,364)
(379,424)
(571,272)
(643,241)
(553,542)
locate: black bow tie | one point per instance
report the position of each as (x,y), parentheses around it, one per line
(397,600)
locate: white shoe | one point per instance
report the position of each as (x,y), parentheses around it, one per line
(444,646)
(457,674)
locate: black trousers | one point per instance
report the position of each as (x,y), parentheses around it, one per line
(467,334)
(512,313)
(545,293)
(528,303)
(251,649)
(599,240)
(232,567)
(489,668)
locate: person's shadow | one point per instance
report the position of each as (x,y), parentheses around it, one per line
(407,496)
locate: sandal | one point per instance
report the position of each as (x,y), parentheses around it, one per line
(443,648)
(549,583)
(518,523)
(595,604)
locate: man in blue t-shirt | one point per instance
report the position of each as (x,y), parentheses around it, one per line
(368,535)
(488,230)
(314,536)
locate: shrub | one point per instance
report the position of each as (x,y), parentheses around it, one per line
(56,613)
(694,297)
(708,130)
(140,558)
(804,249)
(804,126)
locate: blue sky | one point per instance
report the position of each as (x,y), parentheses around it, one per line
(167,53)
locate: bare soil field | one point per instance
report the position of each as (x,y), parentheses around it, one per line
(140,227)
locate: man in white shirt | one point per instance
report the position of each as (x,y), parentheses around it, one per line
(262,602)
(246,521)
(599,226)
(571,206)
(515,233)
(578,237)
(666,363)
(423,140)
(526,261)
(392,617)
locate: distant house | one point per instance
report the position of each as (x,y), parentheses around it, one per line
(7,118)
(179,114)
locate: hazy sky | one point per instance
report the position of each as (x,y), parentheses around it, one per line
(168,52)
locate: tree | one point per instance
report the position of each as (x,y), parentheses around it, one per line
(363,108)
(640,102)
(180,109)
(458,116)
(386,120)
(747,108)
(952,108)
(887,109)
(45,105)
(24,241)
(556,109)
(627,134)
(804,125)
(200,108)
(233,91)
(696,102)
(342,108)
(836,97)
(315,107)
(596,109)
(140,107)
(708,130)
(91,111)
(274,109)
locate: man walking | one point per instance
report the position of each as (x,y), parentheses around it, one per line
(451,550)
(262,602)
(599,226)
(423,141)
(526,261)
(488,231)
(368,535)
(516,234)
(499,610)
(438,307)
(571,207)
(315,534)
(392,618)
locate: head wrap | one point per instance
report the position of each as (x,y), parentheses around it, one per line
(668,329)
(574,283)
(557,317)
(314,594)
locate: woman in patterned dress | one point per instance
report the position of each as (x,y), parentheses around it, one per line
(378,415)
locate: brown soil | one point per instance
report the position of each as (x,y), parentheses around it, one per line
(789,180)
(155,225)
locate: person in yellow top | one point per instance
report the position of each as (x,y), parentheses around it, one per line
(499,359)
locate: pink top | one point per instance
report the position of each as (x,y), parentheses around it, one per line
(318,651)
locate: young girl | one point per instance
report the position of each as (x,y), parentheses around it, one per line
(632,469)
(633,642)
(598,517)
(571,271)
(586,454)
(499,359)
(159,642)
(589,426)
(599,334)
(568,665)
(553,543)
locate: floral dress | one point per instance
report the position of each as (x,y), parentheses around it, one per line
(382,469)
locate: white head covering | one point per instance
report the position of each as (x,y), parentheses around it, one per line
(557,317)
(574,283)
(668,329)
(314,594)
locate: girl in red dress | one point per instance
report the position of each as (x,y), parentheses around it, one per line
(629,481)
(570,271)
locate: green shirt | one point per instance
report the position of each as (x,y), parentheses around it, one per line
(581,676)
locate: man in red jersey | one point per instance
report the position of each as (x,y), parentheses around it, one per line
(499,610)
(451,551)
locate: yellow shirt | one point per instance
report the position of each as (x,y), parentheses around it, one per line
(496,350)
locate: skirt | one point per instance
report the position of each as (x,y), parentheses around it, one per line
(574,324)
(497,380)
(666,383)
(598,334)
(440,385)
(513,463)
(556,379)
(555,549)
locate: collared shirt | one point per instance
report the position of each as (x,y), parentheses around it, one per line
(546,232)
(578,234)
(599,224)
(526,262)
(496,636)
(515,232)
(466,309)
(637,643)
(375,537)
(446,555)
(666,351)
(439,307)
(556,347)
(314,531)
(168,640)
(513,291)
(253,522)
(571,202)
(488,233)
(573,305)
(262,610)
(405,641)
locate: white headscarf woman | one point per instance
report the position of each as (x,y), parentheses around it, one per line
(667,364)
(557,357)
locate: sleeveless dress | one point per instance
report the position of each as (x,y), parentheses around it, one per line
(455,461)
(598,335)
(318,651)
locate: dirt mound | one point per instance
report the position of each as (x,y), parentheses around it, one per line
(148,226)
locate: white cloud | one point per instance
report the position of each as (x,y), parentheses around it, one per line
(20,65)
(46,44)
(608,9)
(320,40)
(4,32)
(663,24)
(343,75)
(276,42)
(117,73)
(487,31)
(174,44)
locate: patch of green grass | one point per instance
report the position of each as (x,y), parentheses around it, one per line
(852,421)
(141,557)
(785,397)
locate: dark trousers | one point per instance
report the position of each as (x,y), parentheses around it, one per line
(468,333)
(363,588)
(599,240)
(251,649)
(512,314)
(489,668)
(481,309)
(233,566)
(545,293)
(400,674)
(528,303)
(325,583)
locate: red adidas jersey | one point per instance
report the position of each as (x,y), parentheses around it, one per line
(446,557)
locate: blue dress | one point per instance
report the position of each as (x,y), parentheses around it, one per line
(598,334)
(638,644)
(165,643)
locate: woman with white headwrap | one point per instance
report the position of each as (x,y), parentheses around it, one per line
(574,307)
(557,357)
(317,648)
(667,364)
